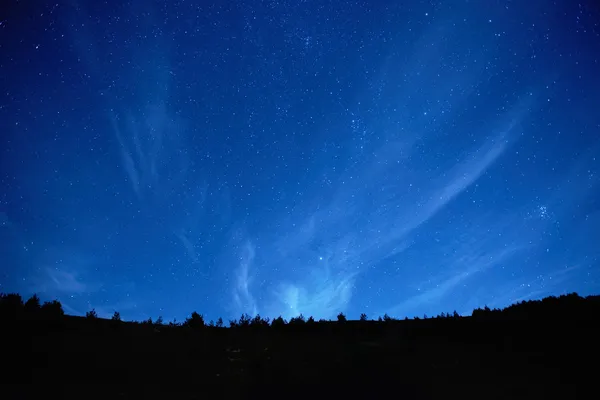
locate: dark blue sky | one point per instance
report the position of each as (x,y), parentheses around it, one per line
(287,157)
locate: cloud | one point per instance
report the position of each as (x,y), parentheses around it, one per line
(538,286)
(125,308)
(370,209)
(187,244)
(191,223)
(322,298)
(71,310)
(242,295)
(337,242)
(129,163)
(147,157)
(467,263)
(63,273)
(63,281)
(144,126)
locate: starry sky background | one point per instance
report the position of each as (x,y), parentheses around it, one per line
(287,157)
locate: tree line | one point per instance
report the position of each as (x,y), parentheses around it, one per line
(13,307)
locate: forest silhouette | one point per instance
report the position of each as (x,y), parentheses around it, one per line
(533,349)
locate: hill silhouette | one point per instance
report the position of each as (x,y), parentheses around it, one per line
(535,349)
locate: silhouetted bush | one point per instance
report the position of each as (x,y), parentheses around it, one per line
(363,317)
(341,317)
(92,314)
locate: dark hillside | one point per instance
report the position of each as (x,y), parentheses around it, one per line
(536,349)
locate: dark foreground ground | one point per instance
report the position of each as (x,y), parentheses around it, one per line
(518,355)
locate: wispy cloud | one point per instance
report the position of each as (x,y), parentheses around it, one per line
(61,283)
(125,308)
(369,213)
(321,297)
(242,294)
(130,165)
(148,132)
(148,157)
(466,264)
(537,286)
(64,274)
(187,244)
(187,234)
(333,245)
(64,281)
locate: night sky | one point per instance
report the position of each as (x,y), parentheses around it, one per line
(287,157)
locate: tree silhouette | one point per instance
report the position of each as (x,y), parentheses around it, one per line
(278,322)
(115,320)
(341,317)
(299,320)
(244,320)
(11,306)
(32,306)
(219,323)
(259,321)
(52,310)
(195,321)
(363,317)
